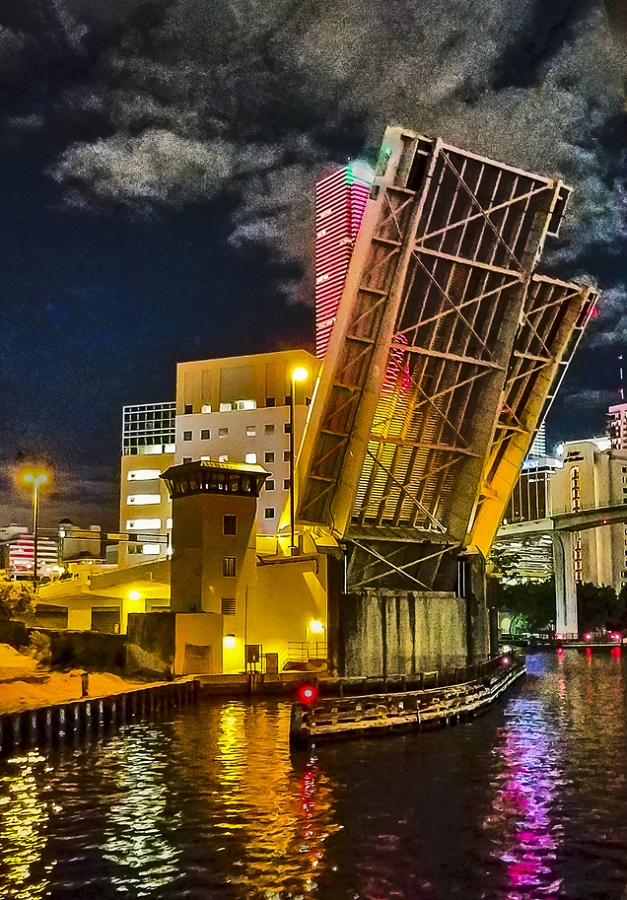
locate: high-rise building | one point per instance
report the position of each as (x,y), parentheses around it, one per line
(147,450)
(594,474)
(617,426)
(538,447)
(340,203)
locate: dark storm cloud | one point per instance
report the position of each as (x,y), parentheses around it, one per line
(166,104)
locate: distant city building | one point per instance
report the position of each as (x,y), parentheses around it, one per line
(538,447)
(148,435)
(530,500)
(593,474)
(17,553)
(617,426)
(340,203)
(79,543)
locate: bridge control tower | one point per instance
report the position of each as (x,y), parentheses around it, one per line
(412,474)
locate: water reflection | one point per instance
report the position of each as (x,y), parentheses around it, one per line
(136,832)
(526,835)
(23,820)
(282,815)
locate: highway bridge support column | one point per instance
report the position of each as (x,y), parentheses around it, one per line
(566,621)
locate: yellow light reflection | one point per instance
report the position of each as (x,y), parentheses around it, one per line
(23,820)
(283,840)
(137,816)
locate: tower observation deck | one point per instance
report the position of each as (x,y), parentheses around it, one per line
(446,353)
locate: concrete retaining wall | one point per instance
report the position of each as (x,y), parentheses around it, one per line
(387,632)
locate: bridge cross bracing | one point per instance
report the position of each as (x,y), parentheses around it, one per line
(443,356)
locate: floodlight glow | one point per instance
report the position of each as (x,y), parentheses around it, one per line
(229,641)
(300,374)
(134,595)
(316,626)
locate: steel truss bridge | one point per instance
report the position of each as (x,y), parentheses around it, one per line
(447,351)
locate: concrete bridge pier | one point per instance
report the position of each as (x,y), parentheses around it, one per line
(566,620)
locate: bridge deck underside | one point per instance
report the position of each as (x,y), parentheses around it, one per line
(445,346)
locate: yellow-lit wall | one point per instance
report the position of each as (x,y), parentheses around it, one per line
(131,487)
(289,595)
(256,377)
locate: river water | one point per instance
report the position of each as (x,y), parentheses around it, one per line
(528,801)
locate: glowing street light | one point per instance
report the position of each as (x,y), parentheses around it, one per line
(34,477)
(298,374)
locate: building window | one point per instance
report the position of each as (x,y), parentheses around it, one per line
(206,408)
(286,428)
(269,429)
(187,435)
(270,401)
(268,512)
(229,525)
(223,432)
(143,499)
(268,457)
(269,485)
(286,484)
(187,459)
(205,434)
(286,456)
(143,524)
(287,399)
(189,408)
(251,458)
(307,401)
(251,431)
(228,566)
(229,606)
(575,489)
(223,458)
(143,474)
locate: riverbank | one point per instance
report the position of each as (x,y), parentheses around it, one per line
(27,685)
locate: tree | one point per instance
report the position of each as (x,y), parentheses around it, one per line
(599,607)
(533,600)
(16,598)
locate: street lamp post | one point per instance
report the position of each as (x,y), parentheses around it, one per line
(36,478)
(298,374)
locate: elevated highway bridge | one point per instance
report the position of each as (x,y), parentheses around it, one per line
(562,529)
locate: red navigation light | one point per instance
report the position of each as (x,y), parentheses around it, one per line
(615,636)
(587,636)
(307,693)
(505,661)
(559,636)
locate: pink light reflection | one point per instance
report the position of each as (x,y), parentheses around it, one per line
(525,836)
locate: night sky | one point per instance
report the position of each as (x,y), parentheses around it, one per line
(157,167)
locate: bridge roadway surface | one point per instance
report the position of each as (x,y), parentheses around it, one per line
(562,529)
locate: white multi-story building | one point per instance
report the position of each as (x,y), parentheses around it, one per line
(594,475)
(235,409)
(238,410)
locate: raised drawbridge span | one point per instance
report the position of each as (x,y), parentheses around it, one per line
(447,351)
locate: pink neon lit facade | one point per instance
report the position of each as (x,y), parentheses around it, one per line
(340,203)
